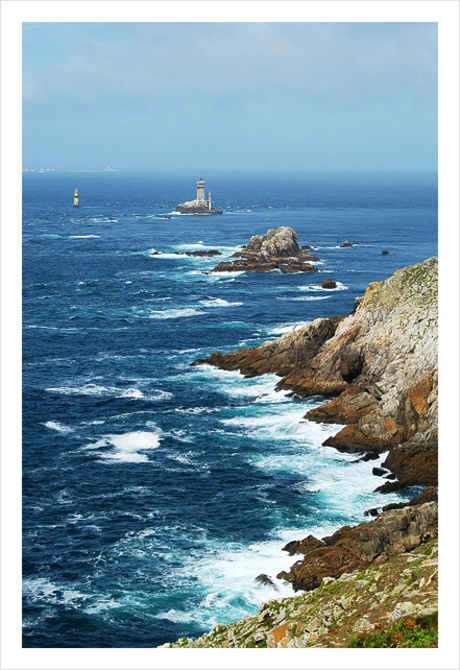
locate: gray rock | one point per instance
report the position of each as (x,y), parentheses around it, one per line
(402,609)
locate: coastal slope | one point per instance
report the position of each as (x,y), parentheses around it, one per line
(394,604)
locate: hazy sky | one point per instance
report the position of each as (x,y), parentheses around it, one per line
(230,95)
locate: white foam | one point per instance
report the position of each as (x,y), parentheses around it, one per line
(102,605)
(95,390)
(305,298)
(196,410)
(219,302)
(163,256)
(127,446)
(340,287)
(82,237)
(174,313)
(55,425)
(158,394)
(42,589)
(289,328)
(224,275)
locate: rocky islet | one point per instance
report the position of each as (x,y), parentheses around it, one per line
(276,249)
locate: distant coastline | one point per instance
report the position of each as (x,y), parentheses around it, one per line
(62,170)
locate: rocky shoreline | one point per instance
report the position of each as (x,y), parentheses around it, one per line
(379,367)
(391,601)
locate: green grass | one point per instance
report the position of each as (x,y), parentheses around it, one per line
(419,632)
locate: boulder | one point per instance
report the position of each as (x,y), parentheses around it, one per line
(328,283)
(264,580)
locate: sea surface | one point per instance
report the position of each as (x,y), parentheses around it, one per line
(154,493)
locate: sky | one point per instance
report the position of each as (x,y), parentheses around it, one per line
(280,96)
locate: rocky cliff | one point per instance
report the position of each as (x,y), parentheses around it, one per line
(379,364)
(277,249)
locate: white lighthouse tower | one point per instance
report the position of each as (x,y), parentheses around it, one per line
(200,197)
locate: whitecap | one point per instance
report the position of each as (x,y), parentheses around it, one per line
(55,425)
(339,287)
(100,391)
(43,589)
(82,237)
(225,275)
(219,302)
(174,313)
(305,298)
(126,447)
(289,328)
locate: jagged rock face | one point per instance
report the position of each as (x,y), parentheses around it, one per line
(276,249)
(371,543)
(282,356)
(382,364)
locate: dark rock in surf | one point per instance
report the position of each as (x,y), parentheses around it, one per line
(329,284)
(264,580)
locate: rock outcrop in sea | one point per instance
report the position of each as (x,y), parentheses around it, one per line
(379,365)
(277,249)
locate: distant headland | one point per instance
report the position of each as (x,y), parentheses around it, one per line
(107,169)
(200,205)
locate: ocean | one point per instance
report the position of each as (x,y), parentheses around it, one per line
(154,493)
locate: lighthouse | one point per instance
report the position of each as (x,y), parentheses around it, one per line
(200,205)
(75,198)
(200,190)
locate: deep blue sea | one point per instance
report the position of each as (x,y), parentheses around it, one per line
(153,492)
